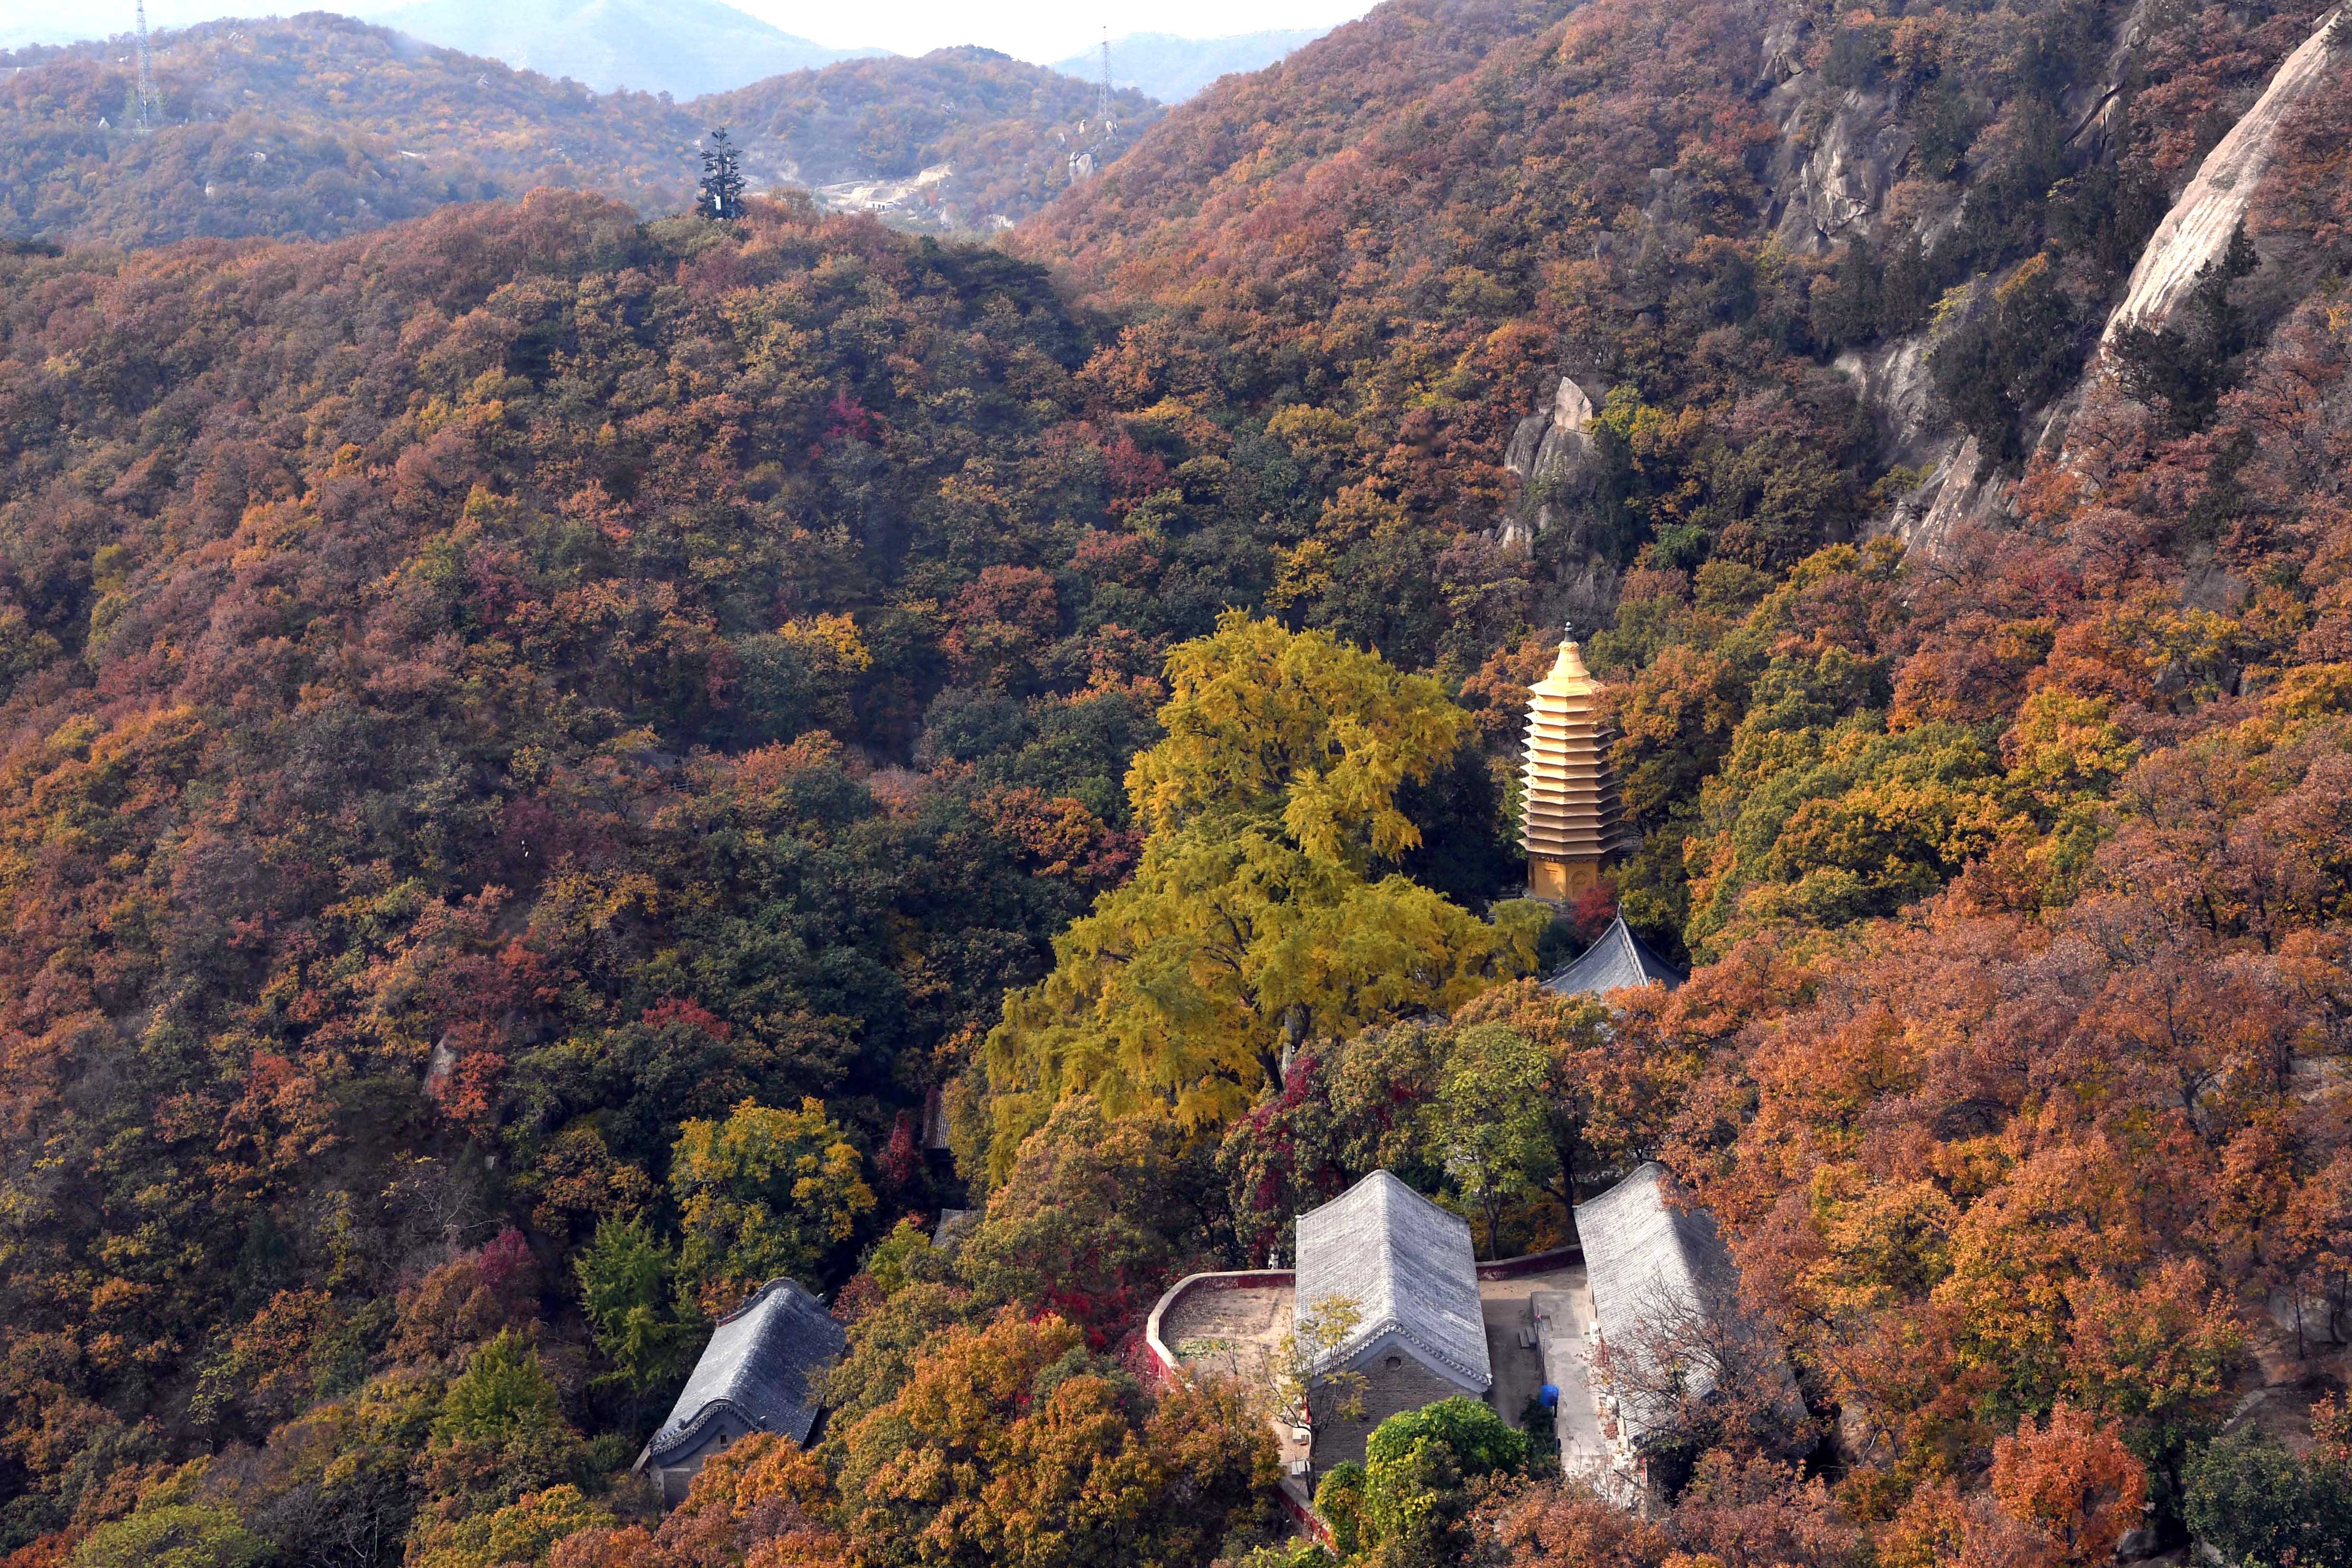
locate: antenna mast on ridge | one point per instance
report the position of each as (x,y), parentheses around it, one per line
(1081,157)
(1102,99)
(147,105)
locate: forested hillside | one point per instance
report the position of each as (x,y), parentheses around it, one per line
(313,128)
(546,680)
(538,741)
(1790,264)
(320,126)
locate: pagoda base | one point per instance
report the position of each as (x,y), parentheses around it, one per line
(1558,880)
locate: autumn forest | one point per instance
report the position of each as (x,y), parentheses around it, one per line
(562,758)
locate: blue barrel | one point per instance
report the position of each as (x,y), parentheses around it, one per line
(1549,1395)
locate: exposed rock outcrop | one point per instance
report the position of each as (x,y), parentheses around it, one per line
(2197,228)
(1839,159)
(2098,107)
(1893,382)
(1553,438)
(1891,378)
(1784,49)
(1839,189)
(1547,450)
(1955,494)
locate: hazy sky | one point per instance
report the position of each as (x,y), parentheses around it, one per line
(1041,30)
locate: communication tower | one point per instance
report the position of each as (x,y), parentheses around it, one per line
(150,110)
(1096,134)
(1102,96)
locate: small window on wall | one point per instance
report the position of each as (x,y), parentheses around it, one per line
(1393,1362)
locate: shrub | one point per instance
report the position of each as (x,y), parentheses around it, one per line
(180,1536)
(2259,1507)
(1418,1472)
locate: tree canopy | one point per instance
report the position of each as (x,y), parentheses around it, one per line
(1257,917)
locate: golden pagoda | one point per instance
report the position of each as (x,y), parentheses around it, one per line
(1570,823)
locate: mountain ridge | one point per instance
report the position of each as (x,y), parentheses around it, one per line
(1171,68)
(686,48)
(325,124)
(553,756)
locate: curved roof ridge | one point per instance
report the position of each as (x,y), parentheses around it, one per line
(666,1442)
(781,1282)
(1366,1337)
(761,1362)
(1616,960)
(1484,1374)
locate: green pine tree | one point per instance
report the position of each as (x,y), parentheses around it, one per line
(722,179)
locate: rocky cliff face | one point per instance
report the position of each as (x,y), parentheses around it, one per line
(1836,188)
(2197,230)
(2193,233)
(1846,170)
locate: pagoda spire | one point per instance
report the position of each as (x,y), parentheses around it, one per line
(1571,822)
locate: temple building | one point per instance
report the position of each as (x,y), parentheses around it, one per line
(1619,1341)
(761,1373)
(1406,1268)
(1664,1329)
(1571,822)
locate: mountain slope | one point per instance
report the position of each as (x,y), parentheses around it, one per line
(519,492)
(1432,173)
(682,47)
(498,712)
(1416,223)
(1792,284)
(1267,129)
(1170,68)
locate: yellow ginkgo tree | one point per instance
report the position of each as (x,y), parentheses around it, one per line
(765,1192)
(1260,914)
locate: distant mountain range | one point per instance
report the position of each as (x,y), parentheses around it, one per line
(1172,69)
(682,47)
(323,126)
(690,48)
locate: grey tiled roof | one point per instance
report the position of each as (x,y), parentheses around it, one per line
(1408,1267)
(1617,960)
(762,1363)
(1652,1266)
(1638,1247)
(1645,1260)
